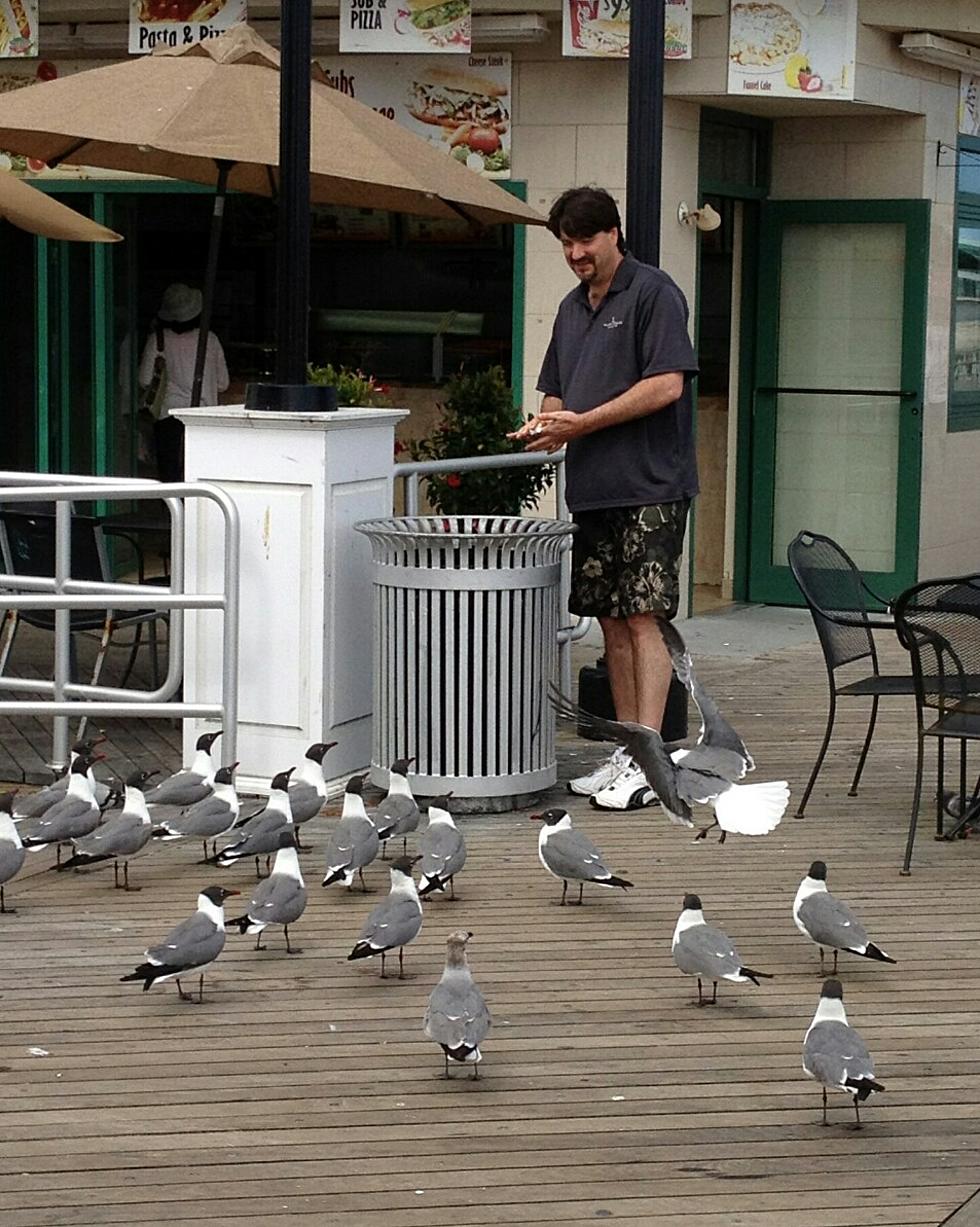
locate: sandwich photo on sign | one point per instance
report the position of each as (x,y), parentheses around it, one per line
(18,28)
(443,23)
(472,112)
(597,28)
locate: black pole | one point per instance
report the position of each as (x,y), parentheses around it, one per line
(210,277)
(644,140)
(293,251)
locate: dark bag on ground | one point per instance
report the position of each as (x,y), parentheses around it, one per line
(595,695)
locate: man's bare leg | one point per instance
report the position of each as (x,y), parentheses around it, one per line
(639,667)
(619,662)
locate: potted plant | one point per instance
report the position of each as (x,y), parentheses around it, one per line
(477,413)
(353,387)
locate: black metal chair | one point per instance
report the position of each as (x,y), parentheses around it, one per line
(939,622)
(27,541)
(846,613)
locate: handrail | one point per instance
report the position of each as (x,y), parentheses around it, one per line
(64,594)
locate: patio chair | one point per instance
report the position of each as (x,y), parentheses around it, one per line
(27,543)
(846,613)
(939,622)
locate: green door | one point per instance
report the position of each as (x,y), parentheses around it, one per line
(837,401)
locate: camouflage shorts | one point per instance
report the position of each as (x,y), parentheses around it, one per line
(626,560)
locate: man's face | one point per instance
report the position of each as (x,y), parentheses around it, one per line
(593,259)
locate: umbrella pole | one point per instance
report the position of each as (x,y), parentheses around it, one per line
(210,277)
(644,139)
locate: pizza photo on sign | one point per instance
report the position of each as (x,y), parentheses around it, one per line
(440,22)
(179,10)
(472,112)
(16,34)
(763,36)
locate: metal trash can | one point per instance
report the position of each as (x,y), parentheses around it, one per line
(465,643)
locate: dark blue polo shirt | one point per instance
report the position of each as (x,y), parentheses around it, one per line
(639,330)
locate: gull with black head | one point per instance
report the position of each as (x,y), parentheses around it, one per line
(395,922)
(259,835)
(829,923)
(209,818)
(701,950)
(570,856)
(12,852)
(76,814)
(353,842)
(835,1054)
(308,787)
(190,784)
(398,813)
(120,837)
(443,850)
(280,899)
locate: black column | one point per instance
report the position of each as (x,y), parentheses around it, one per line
(644,142)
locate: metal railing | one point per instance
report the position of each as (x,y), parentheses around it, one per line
(414,472)
(62,594)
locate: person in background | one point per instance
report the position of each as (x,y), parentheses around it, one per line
(176,331)
(616,384)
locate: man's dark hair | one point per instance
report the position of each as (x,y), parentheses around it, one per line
(582,212)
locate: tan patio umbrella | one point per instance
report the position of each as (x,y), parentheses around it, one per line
(38,213)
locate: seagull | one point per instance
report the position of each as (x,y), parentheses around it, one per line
(706,774)
(835,1054)
(354,840)
(280,899)
(119,837)
(308,788)
(259,835)
(570,855)
(76,814)
(192,946)
(33,805)
(395,922)
(12,853)
(829,923)
(398,813)
(457,1017)
(190,784)
(703,951)
(209,818)
(442,848)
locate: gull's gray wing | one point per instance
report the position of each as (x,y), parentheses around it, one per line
(457,1015)
(396,815)
(304,801)
(210,817)
(68,817)
(123,835)
(11,860)
(831,923)
(443,851)
(261,836)
(570,854)
(278,900)
(40,802)
(708,952)
(193,943)
(183,789)
(352,844)
(395,922)
(834,1052)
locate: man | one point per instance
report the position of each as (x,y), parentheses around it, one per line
(616,381)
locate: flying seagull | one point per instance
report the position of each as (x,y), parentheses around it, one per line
(119,837)
(457,1017)
(570,855)
(12,853)
(33,805)
(828,923)
(708,953)
(442,848)
(259,835)
(394,922)
(192,946)
(190,784)
(835,1054)
(398,813)
(353,842)
(209,818)
(280,899)
(76,814)
(706,774)
(308,788)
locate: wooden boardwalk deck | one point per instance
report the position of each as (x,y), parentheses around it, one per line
(303,1090)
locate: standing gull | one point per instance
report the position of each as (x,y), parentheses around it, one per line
(570,855)
(12,853)
(280,899)
(395,922)
(828,923)
(353,842)
(259,835)
(457,1017)
(398,813)
(76,814)
(192,946)
(209,818)
(120,837)
(33,805)
(308,788)
(190,784)
(442,849)
(708,953)
(835,1054)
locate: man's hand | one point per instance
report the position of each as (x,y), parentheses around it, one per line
(549,432)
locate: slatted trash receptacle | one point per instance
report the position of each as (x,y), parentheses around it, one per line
(466,639)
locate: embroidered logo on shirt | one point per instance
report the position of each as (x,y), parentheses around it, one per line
(613,323)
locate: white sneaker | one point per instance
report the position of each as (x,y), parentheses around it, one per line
(629,790)
(604,775)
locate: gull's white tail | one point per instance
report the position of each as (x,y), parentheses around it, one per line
(752,809)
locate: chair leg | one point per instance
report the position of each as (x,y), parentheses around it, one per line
(940,780)
(831,714)
(853,791)
(154,655)
(914,816)
(96,672)
(11,621)
(137,639)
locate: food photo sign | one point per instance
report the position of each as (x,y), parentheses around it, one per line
(179,23)
(793,49)
(969,124)
(18,28)
(413,26)
(463,109)
(600,29)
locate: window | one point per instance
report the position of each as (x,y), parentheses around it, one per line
(964,373)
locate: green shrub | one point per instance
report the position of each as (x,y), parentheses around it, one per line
(353,387)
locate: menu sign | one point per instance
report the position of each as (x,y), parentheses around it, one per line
(415,26)
(601,29)
(969,105)
(793,49)
(463,110)
(180,23)
(18,28)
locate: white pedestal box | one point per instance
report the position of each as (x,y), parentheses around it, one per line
(300,481)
